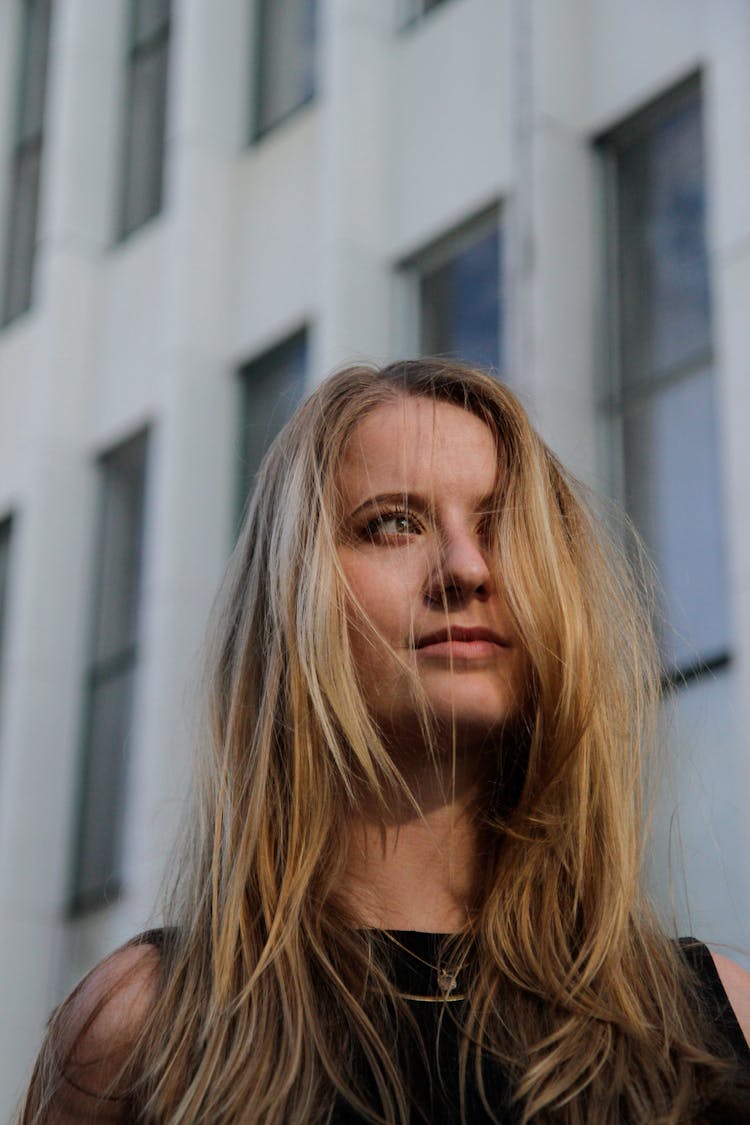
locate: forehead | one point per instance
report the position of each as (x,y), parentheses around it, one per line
(417,445)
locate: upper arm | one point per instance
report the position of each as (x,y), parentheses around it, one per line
(112,1004)
(736,982)
(90,1041)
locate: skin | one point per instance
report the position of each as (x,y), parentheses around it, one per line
(421,872)
(444,460)
(736,981)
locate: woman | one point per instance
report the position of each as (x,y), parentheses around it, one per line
(415,889)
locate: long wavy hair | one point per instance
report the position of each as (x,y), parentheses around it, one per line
(268,988)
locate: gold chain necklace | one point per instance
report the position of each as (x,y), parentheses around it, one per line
(447,979)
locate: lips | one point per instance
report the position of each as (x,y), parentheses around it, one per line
(460,637)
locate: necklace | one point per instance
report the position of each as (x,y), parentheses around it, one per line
(447,978)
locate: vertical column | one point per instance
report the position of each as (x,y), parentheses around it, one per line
(726,123)
(353,317)
(190,520)
(51,613)
(553,298)
(518,209)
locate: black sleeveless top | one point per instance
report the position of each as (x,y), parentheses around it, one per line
(433,1078)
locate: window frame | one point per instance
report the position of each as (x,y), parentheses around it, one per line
(158,41)
(298,337)
(27,150)
(103,670)
(431,257)
(260,128)
(616,394)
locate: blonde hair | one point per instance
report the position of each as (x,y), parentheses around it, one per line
(268,991)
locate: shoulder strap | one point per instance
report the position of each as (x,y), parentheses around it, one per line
(698,956)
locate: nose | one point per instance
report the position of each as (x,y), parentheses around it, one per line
(461,570)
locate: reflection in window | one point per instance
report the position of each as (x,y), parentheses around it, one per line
(666,316)
(272,386)
(285,59)
(26,159)
(145,124)
(663,402)
(111,677)
(460,296)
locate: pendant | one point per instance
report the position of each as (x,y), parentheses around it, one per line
(447,981)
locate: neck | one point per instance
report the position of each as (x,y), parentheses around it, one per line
(418,872)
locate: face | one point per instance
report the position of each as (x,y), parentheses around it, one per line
(417,481)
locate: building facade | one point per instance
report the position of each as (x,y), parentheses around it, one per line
(205,207)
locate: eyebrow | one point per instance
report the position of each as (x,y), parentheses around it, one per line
(416,498)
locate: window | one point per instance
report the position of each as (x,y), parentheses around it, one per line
(459,294)
(145,119)
(286,34)
(26,159)
(111,675)
(272,386)
(661,401)
(5,540)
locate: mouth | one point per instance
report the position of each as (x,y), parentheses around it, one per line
(462,642)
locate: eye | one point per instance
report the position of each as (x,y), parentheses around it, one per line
(396,523)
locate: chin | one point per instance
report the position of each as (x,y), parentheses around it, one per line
(474,705)
(471,728)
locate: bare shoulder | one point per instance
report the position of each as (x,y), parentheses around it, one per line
(108,1010)
(87,1052)
(736,981)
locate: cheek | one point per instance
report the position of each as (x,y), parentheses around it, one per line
(387,601)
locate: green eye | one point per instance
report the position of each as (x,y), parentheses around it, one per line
(391,523)
(400,523)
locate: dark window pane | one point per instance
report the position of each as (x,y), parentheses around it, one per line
(120,550)
(272,386)
(98,873)
(460,304)
(24,201)
(144,157)
(665,303)
(151,17)
(674,496)
(34,68)
(23,196)
(665,402)
(109,700)
(286,58)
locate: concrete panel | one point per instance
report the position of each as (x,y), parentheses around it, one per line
(703,812)
(563,353)
(130,333)
(450,127)
(638,50)
(727,125)
(271,267)
(26,995)
(17,346)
